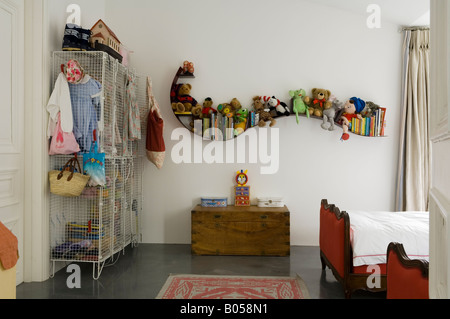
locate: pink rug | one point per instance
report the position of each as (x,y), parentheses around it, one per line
(232,287)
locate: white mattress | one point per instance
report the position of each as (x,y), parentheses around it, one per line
(371,233)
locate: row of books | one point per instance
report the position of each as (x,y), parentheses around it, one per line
(223,128)
(370,126)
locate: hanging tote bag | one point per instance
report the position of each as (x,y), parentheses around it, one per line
(94,165)
(63,143)
(156,148)
(68,182)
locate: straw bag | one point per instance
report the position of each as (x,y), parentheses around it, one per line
(66,182)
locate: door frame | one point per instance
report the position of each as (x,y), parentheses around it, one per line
(37,84)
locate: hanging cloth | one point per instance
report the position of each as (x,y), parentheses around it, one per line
(156,148)
(132,117)
(60,103)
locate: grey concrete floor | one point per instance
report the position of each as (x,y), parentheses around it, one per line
(140,273)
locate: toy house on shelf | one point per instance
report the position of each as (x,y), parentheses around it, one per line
(104,39)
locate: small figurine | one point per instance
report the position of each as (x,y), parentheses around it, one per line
(188,68)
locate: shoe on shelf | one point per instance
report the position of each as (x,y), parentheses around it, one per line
(71,41)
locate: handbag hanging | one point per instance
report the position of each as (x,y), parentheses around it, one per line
(63,143)
(67,182)
(94,165)
(156,148)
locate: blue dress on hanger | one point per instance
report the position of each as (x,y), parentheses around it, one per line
(85,98)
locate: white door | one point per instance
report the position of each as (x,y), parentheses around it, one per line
(12,120)
(440,137)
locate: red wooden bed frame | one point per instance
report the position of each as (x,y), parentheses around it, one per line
(406,278)
(336,252)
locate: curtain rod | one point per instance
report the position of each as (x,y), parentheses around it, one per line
(415,28)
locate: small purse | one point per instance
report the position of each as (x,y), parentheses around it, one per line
(67,182)
(94,165)
(63,143)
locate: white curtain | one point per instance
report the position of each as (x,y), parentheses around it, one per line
(414,161)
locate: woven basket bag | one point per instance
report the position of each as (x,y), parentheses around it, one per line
(66,182)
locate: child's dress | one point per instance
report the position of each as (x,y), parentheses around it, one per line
(85,98)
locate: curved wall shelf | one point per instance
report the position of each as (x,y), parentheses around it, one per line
(187,119)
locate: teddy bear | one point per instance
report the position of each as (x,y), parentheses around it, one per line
(229,109)
(264,116)
(352,109)
(182,101)
(299,105)
(318,102)
(207,108)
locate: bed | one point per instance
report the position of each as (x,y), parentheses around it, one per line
(353,244)
(406,278)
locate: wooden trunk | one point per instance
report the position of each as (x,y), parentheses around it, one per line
(241,231)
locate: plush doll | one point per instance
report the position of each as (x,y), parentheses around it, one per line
(299,105)
(319,102)
(264,116)
(329,115)
(240,121)
(188,68)
(208,109)
(352,109)
(273,104)
(370,109)
(229,109)
(182,101)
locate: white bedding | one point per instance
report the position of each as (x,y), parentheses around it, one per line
(371,233)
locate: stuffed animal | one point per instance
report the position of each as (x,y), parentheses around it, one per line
(240,118)
(264,116)
(352,109)
(329,115)
(370,109)
(229,109)
(273,104)
(207,109)
(299,105)
(188,68)
(319,102)
(182,101)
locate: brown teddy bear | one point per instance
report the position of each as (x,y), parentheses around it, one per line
(319,102)
(230,109)
(182,101)
(264,116)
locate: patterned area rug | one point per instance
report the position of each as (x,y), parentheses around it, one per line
(233,287)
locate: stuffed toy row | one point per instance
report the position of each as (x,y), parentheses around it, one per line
(320,104)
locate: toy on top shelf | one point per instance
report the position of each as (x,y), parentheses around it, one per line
(188,68)
(352,109)
(104,39)
(329,115)
(318,102)
(299,106)
(263,114)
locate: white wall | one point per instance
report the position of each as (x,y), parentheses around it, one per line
(247,48)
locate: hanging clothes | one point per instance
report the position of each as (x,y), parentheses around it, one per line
(85,97)
(60,102)
(132,116)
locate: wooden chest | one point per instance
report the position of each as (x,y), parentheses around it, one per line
(241,231)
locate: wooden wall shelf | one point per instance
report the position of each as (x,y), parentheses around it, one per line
(185,120)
